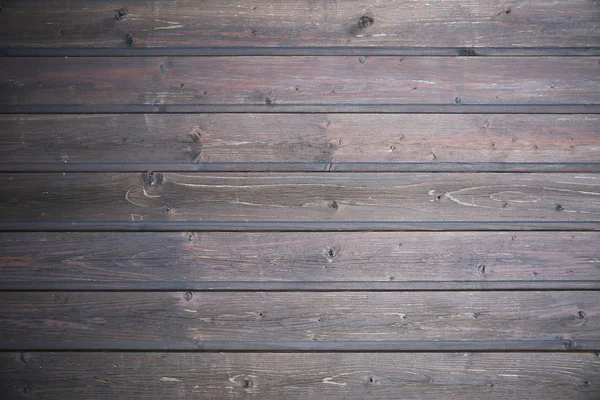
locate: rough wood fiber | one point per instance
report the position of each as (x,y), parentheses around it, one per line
(336,142)
(305,23)
(335,198)
(299,376)
(121,84)
(217,320)
(305,261)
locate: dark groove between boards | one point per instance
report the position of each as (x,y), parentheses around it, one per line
(295,286)
(559,344)
(364,167)
(302,108)
(298,226)
(30,51)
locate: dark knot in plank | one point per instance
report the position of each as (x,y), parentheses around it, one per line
(129,40)
(365,21)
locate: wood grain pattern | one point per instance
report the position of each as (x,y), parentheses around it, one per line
(123,84)
(299,261)
(299,376)
(309,142)
(305,23)
(242,198)
(193,320)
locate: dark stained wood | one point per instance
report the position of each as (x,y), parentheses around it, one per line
(305,23)
(123,84)
(245,198)
(217,320)
(311,142)
(300,261)
(300,376)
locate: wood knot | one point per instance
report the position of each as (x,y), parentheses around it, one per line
(365,21)
(121,14)
(188,296)
(559,207)
(163,69)
(152,179)
(129,40)
(570,344)
(333,205)
(268,101)
(330,254)
(581,315)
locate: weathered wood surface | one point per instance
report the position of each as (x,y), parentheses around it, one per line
(242,198)
(299,261)
(283,142)
(188,24)
(299,376)
(163,84)
(253,320)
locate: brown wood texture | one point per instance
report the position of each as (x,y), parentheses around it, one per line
(299,261)
(242,198)
(163,84)
(317,142)
(259,320)
(299,376)
(305,23)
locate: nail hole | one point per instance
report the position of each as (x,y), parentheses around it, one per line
(559,207)
(333,205)
(121,14)
(247,383)
(481,268)
(268,101)
(362,59)
(581,315)
(457,100)
(188,296)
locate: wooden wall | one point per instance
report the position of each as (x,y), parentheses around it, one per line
(303,199)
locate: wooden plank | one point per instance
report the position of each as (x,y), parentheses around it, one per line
(295,198)
(300,376)
(299,261)
(275,320)
(299,142)
(161,84)
(392,23)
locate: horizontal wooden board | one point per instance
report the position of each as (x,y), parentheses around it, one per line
(296,142)
(242,199)
(162,84)
(299,376)
(299,261)
(305,23)
(276,320)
